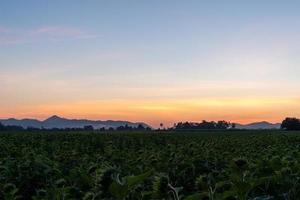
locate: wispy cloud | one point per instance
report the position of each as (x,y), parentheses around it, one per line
(43,33)
(58,31)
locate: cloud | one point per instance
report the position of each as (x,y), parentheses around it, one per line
(43,33)
(58,31)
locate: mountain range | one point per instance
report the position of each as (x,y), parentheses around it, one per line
(59,122)
(259,125)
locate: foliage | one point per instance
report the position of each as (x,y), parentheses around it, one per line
(203,125)
(291,124)
(197,165)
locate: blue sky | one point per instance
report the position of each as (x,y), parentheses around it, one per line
(125,54)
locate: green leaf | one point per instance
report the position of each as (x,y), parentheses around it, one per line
(121,188)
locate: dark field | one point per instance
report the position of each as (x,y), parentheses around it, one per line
(150,165)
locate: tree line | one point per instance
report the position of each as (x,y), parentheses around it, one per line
(287,124)
(204,125)
(126,127)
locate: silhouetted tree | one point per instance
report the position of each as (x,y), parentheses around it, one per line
(290,124)
(2,127)
(222,125)
(124,128)
(203,125)
(207,125)
(140,127)
(120,128)
(88,128)
(161,125)
(13,128)
(233,125)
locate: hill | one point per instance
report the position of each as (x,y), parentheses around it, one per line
(59,122)
(259,125)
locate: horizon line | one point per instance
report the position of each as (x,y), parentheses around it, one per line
(124,120)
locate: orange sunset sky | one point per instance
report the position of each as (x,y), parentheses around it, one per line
(150,61)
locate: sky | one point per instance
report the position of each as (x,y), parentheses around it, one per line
(153,61)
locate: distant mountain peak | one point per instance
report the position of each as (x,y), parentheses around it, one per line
(54,117)
(259,125)
(262,122)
